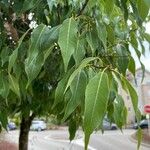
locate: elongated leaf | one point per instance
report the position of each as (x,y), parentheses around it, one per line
(29,4)
(59,93)
(91,38)
(109,6)
(13,56)
(79,52)
(4,85)
(102,33)
(125,9)
(84,63)
(14,85)
(38,51)
(134,97)
(77,86)
(142,8)
(4,55)
(147,2)
(131,66)
(119,111)
(123,59)
(3,118)
(96,99)
(72,129)
(67,39)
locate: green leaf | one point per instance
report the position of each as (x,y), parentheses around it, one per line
(143,9)
(14,85)
(3,118)
(102,33)
(109,6)
(79,51)
(132,66)
(4,85)
(4,55)
(147,36)
(29,4)
(92,41)
(119,111)
(123,59)
(33,66)
(84,63)
(59,93)
(136,12)
(125,9)
(38,51)
(96,99)
(72,129)
(77,87)
(68,39)
(147,2)
(110,35)
(134,97)
(13,56)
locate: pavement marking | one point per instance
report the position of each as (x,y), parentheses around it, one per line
(79,142)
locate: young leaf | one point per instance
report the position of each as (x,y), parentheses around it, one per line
(68,39)
(96,99)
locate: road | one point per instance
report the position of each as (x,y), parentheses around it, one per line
(58,140)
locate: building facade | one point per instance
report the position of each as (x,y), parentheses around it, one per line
(143,91)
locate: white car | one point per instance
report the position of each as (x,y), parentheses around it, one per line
(38,125)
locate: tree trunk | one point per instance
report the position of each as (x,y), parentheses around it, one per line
(24,132)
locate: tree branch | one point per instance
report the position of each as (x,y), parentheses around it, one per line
(83,7)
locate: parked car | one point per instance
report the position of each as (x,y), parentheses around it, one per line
(109,126)
(143,124)
(38,125)
(11,126)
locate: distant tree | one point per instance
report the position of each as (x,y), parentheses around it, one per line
(69,58)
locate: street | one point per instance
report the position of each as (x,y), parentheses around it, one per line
(58,140)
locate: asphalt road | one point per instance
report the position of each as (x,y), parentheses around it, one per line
(58,140)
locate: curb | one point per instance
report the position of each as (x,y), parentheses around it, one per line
(135,141)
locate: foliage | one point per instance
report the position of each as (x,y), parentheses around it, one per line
(74,61)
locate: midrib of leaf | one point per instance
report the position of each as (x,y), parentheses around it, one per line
(68,33)
(96,96)
(38,38)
